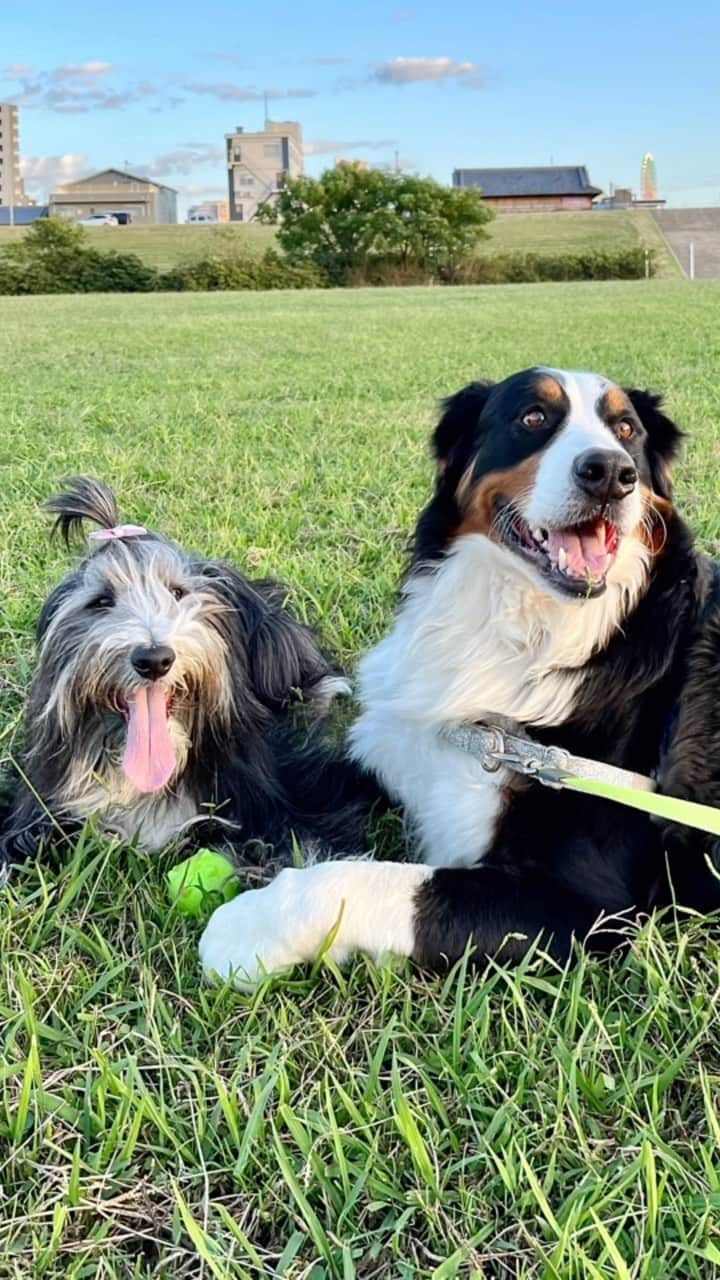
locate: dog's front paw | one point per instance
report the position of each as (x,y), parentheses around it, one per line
(244,939)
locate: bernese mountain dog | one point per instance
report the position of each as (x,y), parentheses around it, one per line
(553,589)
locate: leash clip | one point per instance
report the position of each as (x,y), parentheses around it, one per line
(496,748)
(547,765)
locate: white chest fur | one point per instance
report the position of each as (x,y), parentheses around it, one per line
(474,638)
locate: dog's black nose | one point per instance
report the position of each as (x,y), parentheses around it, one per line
(605,473)
(154,662)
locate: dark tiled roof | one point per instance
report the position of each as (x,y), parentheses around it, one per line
(550,180)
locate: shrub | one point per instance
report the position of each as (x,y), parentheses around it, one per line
(240,271)
(54,257)
(519,268)
(116,273)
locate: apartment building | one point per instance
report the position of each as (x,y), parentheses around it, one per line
(12,191)
(259,163)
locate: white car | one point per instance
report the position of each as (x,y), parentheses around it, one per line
(201,220)
(98,220)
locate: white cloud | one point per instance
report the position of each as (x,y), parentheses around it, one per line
(80,87)
(84,71)
(331,146)
(400,71)
(228,92)
(182,160)
(43,174)
(195,191)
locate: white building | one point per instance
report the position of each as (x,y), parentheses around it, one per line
(259,163)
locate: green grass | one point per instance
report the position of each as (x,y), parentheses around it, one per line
(380,1122)
(163,247)
(579,232)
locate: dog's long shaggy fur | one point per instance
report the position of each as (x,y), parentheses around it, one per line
(222,743)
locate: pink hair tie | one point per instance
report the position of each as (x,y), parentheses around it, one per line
(119,531)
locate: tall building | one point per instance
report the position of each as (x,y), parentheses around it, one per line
(12,190)
(259,163)
(648,178)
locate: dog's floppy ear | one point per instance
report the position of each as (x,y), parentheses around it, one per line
(283,654)
(663,440)
(459,420)
(57,598)
(83,499)
(278,653)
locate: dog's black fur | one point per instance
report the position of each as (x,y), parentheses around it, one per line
(649,702)
(257,776)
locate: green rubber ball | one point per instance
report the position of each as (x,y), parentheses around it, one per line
(206,879)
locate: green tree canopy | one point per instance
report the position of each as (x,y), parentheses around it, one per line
(349,216)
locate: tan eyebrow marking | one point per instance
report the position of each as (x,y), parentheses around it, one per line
(615,402)
(549,388)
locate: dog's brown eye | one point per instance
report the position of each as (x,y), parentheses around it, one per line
(178,592)
(533,419)
(625,429)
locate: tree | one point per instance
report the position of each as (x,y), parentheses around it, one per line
(349,217)
(54,257)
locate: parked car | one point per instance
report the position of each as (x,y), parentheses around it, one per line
(98,220)
(202,219)
(123,219)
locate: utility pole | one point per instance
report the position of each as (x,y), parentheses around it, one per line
(12,176)
(397,161)
(265,99)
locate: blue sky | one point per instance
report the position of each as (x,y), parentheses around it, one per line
(456,84)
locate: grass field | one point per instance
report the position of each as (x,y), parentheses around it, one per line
(163,247)
(378,1123)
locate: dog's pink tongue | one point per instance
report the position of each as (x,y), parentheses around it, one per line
(586,551)
(149,760)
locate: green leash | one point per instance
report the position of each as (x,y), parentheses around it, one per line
(700,816)
(497,748)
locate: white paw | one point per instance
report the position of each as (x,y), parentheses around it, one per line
(242,940)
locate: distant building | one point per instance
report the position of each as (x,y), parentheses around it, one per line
(622,197)
(23,215)
(625,198)
(114,191)
(648,179)
(12,190)
(210,210)
(548,188)
(259,163)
